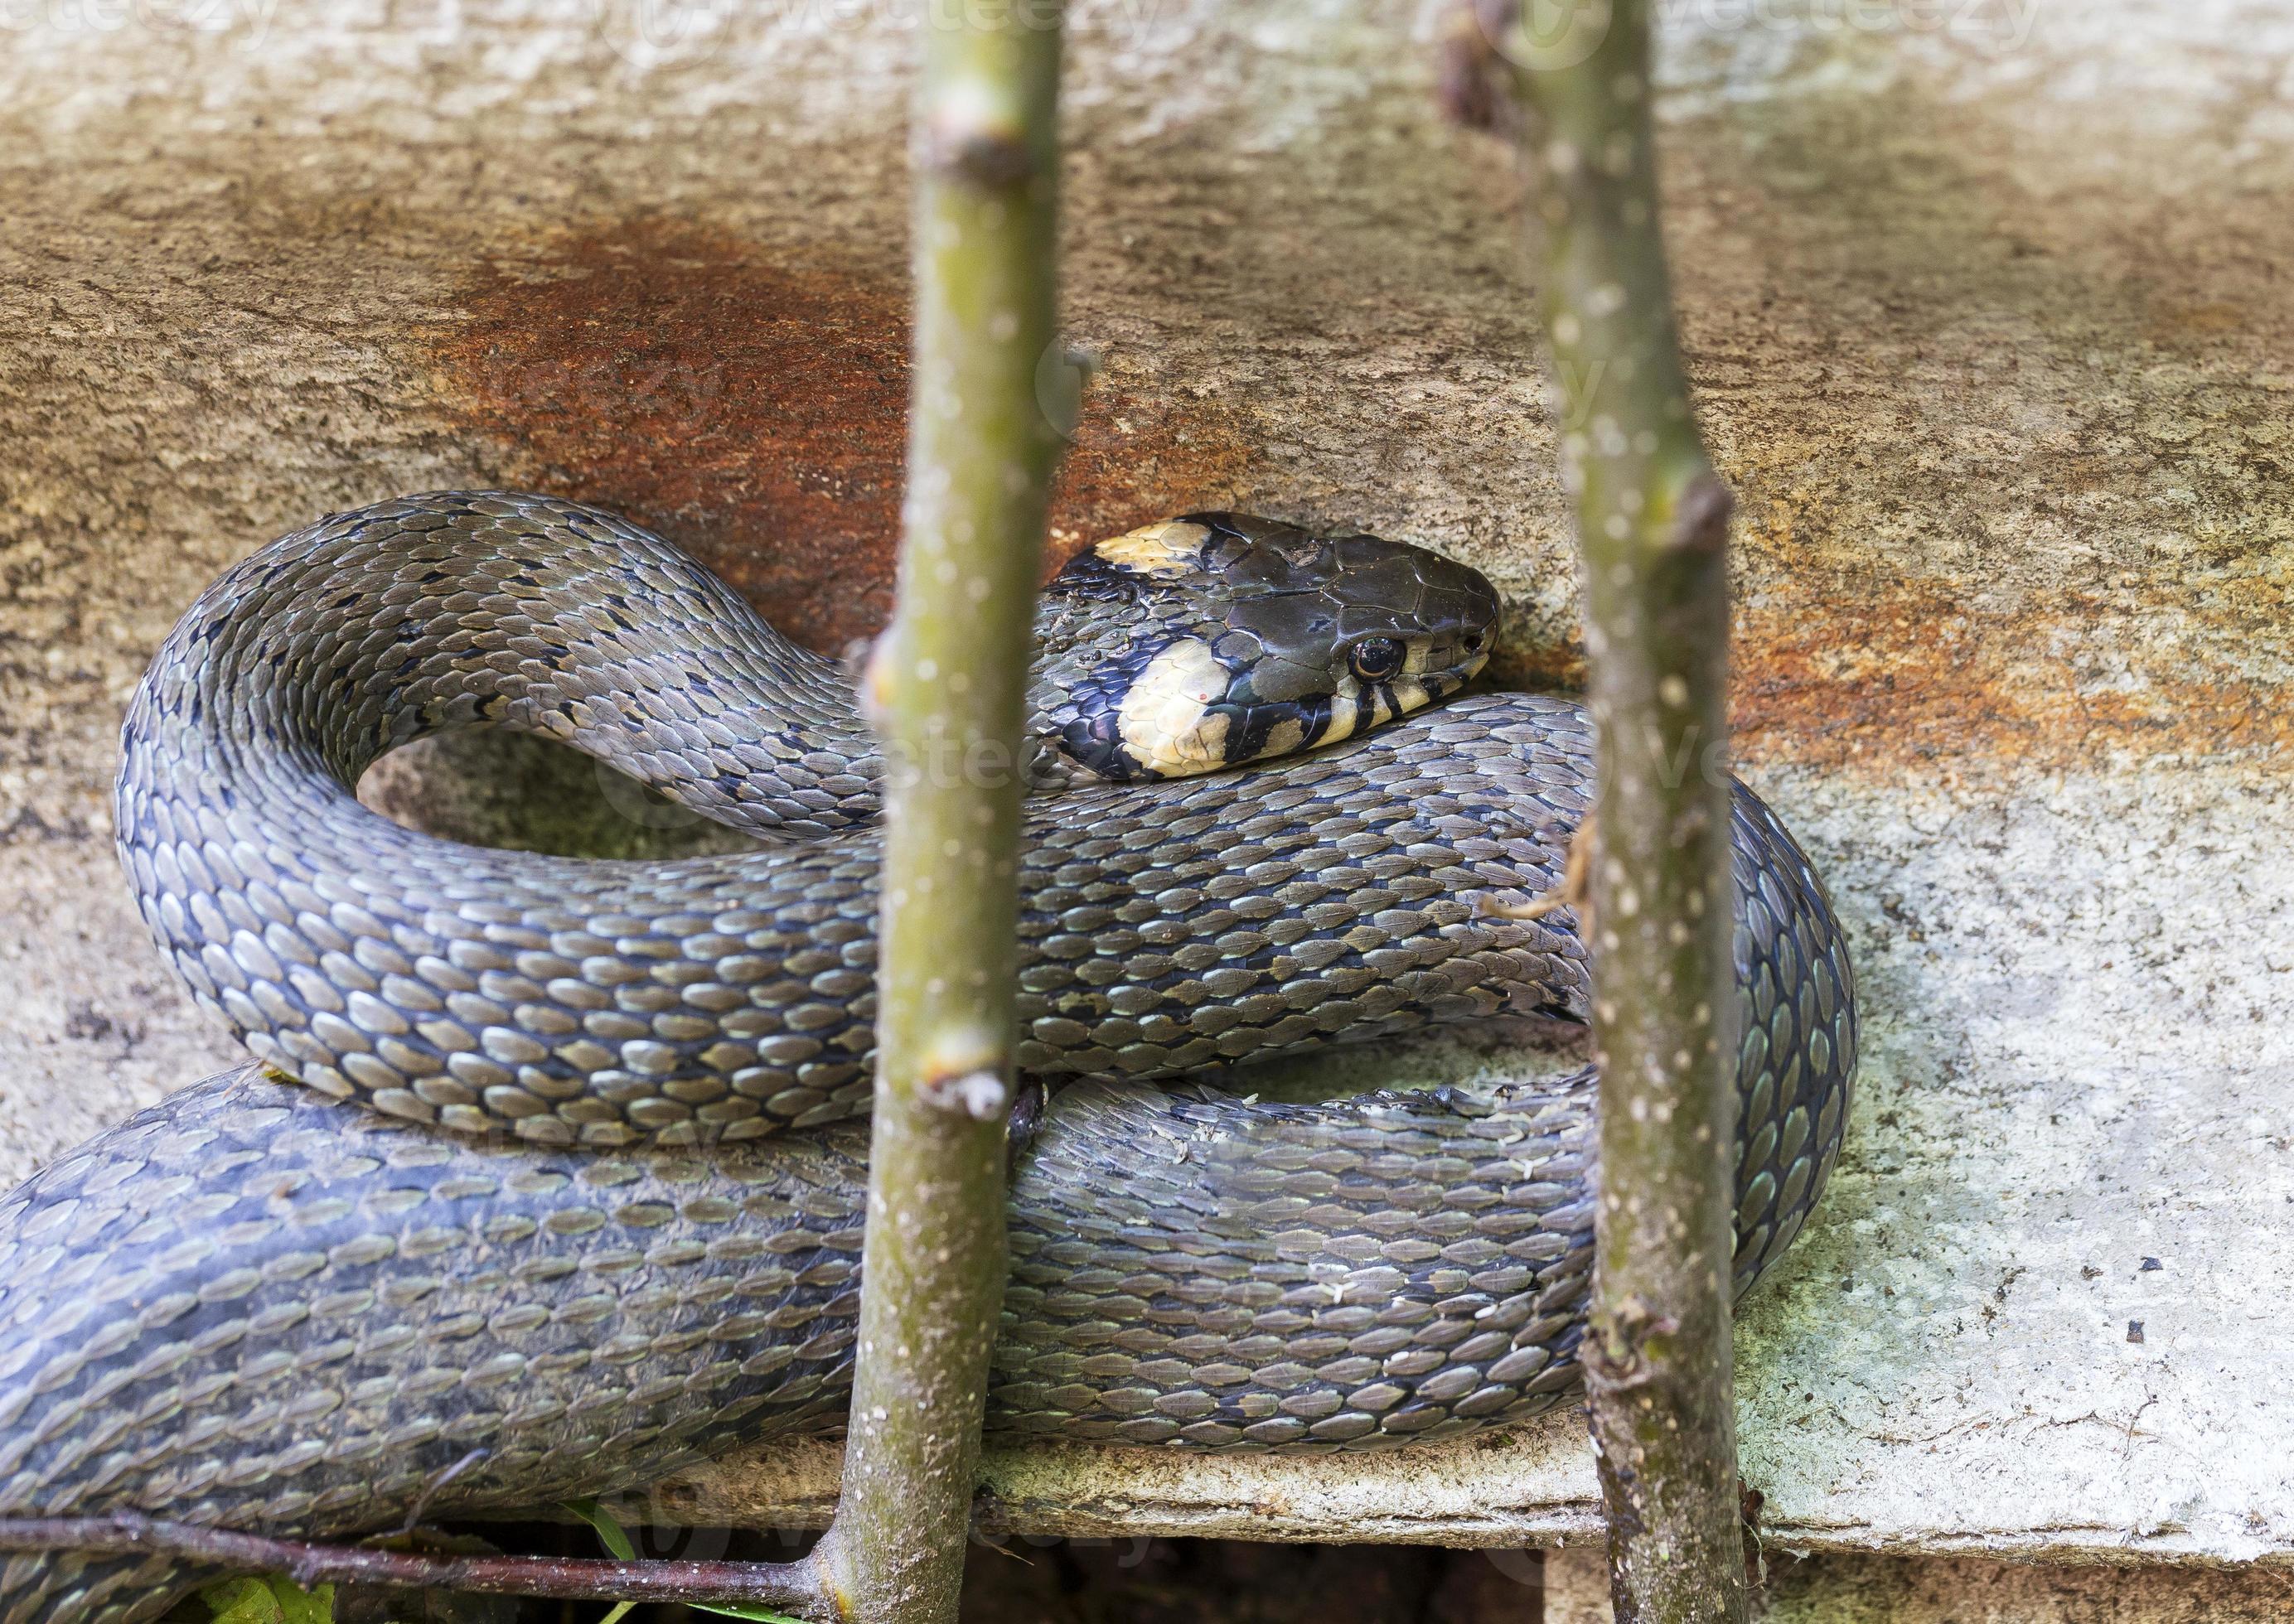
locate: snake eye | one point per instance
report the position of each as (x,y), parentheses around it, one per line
(1375,659)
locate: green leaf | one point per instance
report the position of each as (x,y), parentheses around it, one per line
(273,1599)
(242,1600)
(609,1531)
(617,1541)
(611,1535)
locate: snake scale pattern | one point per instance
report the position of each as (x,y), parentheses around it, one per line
(524,1225)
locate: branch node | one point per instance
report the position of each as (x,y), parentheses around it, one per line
(1617,1356)
(979,154)
(1700,523)
(981,1095)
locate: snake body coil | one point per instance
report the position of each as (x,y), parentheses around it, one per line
(261,1305)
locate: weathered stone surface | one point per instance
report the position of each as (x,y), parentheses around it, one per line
(1858,1589)
(1989,309)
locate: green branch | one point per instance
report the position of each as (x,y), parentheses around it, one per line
(947,687)
(1653,526)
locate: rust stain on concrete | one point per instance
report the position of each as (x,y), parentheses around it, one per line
(753,408)
(1843,662)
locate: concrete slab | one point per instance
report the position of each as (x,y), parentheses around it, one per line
(1839,1589)
(1987,304)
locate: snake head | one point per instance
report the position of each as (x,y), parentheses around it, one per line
(1217,638)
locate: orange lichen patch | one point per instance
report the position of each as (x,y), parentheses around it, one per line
(753,409)
(1845,662)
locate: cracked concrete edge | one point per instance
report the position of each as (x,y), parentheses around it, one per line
(1533,1487)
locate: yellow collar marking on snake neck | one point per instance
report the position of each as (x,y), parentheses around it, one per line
(1346,712)
(1286,736)
(1166,722)
(1168,548)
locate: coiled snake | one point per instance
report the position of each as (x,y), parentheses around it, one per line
(563,1250)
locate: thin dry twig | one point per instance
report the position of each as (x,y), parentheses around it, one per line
(1573,895)
(797,1586)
